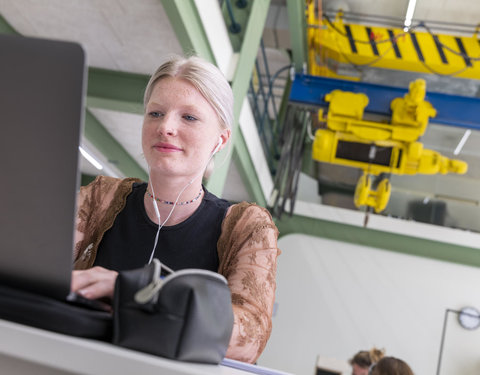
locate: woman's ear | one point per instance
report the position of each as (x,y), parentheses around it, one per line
(224,137)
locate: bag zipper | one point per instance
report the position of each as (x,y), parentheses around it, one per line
(149,292)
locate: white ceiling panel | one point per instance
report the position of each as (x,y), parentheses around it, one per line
(131,36)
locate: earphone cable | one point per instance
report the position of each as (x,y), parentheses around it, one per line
(160,224)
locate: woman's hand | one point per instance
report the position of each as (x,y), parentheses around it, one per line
(96,282)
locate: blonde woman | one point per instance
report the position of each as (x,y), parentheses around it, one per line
(123,223)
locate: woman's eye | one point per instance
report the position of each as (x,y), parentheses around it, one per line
(154,114)
(189,118)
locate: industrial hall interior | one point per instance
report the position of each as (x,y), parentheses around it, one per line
(356,126)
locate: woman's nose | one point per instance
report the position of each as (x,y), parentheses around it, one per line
(167,125)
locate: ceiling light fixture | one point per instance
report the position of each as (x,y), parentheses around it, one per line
(90,158)
(409,15)
(462,142)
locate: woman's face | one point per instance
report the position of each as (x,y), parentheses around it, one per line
(180,129)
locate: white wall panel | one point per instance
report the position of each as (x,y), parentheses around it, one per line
(335,299)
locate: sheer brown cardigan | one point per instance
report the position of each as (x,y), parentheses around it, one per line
(247,251)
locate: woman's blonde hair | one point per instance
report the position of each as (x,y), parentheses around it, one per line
(205,77)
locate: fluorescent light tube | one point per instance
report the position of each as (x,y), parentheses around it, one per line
(462,142)
(409,15)
(90,158)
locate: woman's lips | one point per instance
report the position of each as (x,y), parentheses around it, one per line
(166,147)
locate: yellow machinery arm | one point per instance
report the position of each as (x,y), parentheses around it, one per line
(377,147)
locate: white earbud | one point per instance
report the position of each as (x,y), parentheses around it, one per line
(218,146)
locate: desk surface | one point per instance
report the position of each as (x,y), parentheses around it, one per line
(24,349)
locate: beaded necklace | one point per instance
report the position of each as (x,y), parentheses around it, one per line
(179,203)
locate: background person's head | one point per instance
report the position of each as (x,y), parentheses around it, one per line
(391,366)
(363,360)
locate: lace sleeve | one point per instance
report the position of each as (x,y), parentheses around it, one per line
(248,259)
(97,206)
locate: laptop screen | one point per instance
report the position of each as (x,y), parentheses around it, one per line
(41,114)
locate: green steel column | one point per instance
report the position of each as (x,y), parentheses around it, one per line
(240,83)
(297,28)
(188,27)
(186,22)
(247,170)
(104,142)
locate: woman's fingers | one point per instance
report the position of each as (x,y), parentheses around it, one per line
(96,282)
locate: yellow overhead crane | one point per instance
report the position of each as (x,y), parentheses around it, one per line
(378,147)
(332,43)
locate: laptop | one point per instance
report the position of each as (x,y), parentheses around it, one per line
(42,92)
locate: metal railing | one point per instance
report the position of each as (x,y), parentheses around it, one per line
(265,108)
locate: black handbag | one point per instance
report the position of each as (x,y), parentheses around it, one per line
(186,315)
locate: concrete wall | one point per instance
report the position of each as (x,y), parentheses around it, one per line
(334,299)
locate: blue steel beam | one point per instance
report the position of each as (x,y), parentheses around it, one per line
(453,110)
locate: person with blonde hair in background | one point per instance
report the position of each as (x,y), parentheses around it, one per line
(390,366)
(363,360)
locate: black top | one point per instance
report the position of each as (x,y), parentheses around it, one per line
(189,244)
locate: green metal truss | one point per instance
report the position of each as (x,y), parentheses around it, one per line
(192,37)
(188,27)
(123,92)
(116,91)
(297,28)
(101,139)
